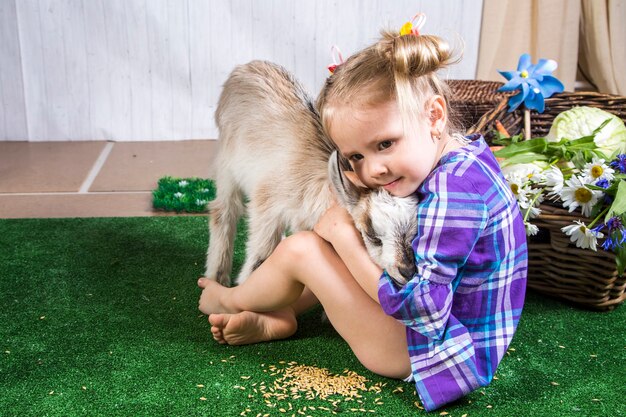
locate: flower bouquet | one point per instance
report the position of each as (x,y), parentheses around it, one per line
(566,167)
(577,174)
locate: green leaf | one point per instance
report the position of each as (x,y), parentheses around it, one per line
(536,145)
(619,203)
(525,158)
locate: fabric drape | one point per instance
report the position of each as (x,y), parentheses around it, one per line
(579,34)
(602,54)
(542,28)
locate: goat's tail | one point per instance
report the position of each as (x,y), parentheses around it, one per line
(224,212)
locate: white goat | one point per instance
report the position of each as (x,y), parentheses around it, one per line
(272,150)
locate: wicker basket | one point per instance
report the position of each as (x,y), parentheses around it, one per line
(556,266)
(472,98)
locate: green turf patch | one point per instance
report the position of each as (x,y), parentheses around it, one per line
(191,195)
(99,317)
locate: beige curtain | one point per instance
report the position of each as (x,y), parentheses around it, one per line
(602,52)
(542,28)
(585,34)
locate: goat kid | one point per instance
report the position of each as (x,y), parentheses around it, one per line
(273,151)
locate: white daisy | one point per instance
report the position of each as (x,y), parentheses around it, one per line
(201,202)
(576,194)
(582,235)
(178,195)
(183,183)
(534,197)
(597,170)
(519,186)
(553,179)
(525,171)
(531,229)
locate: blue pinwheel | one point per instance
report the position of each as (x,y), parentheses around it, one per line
(535,82)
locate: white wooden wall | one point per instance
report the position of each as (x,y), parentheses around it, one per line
(152,69)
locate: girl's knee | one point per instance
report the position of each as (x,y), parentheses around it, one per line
(302,245)
(397,368)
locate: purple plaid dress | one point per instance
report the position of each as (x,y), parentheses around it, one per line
(462,307)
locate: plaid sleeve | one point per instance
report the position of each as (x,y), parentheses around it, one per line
(451,217)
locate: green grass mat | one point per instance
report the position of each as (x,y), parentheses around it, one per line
(191,195)
(99,318)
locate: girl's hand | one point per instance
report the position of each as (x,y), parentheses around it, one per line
(335,223)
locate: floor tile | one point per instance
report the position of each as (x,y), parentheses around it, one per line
(30,167)
(78,205)
(137,166)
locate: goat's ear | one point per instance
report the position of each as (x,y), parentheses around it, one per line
(347,193)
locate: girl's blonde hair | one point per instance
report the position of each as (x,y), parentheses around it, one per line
(396,67)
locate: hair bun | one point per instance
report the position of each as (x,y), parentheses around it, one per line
(414,56)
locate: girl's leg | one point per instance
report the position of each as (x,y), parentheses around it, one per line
(250,327)
(305,260)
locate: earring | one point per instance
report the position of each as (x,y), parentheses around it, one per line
(435,136)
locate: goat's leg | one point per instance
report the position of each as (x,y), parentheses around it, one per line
(224,212)
(265,232)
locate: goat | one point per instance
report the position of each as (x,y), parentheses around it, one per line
(274,152)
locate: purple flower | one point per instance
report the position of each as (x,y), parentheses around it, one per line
(616,235)
(604,183)
(619,164)
(535,83)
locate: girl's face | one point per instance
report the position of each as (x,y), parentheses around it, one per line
(373,140)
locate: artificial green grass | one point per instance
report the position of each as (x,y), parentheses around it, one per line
(99,318)
(191,195)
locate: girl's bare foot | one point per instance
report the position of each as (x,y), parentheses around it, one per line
(211,298)
(249,327)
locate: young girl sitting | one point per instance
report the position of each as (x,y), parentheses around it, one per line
(448,328)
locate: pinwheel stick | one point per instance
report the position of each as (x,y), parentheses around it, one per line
(526,124)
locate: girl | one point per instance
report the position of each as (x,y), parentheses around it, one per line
(448,328)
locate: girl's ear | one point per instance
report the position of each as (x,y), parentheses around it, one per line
(438,114)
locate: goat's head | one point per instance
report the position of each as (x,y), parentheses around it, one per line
(387,223)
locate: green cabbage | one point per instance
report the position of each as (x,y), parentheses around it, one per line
(582,121)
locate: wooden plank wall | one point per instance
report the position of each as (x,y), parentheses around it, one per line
(133,70)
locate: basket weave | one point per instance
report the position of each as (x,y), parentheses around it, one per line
(556,266)
(541,122)
(470,99)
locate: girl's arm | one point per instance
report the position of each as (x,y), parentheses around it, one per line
(336,227)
